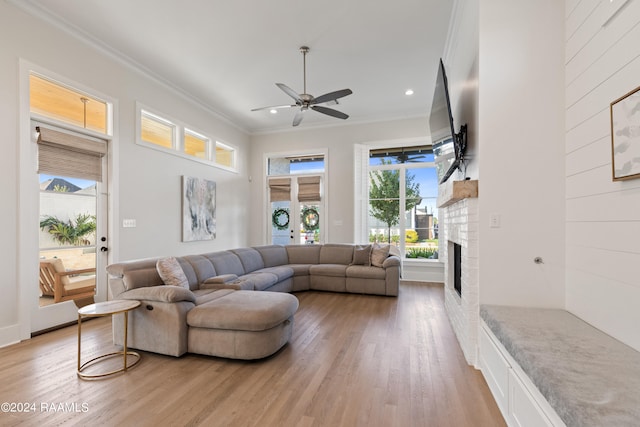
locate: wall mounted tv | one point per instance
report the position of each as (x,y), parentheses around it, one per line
(448,146)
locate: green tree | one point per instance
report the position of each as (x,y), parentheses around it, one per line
(384,196)
(73,233)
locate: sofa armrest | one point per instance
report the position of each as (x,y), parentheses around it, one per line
(391,261)
(163,293)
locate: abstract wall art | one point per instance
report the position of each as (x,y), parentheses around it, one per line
(625,136)
(198,209)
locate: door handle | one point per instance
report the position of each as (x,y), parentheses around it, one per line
(104,249)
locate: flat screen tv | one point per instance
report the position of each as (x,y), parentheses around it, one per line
(448,146)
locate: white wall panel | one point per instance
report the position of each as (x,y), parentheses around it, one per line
(602,216)
(611,236)
(580,11)
(522,152)
(594,155)
(598,99)
(613,58)
(617,206)
(604,38)
(620,266)
(606,304)
(590,182)
(589,131)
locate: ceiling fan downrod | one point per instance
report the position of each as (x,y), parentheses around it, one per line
(304,50)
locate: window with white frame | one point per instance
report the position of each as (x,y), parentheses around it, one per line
(173,137)
(402,193)
(157,130)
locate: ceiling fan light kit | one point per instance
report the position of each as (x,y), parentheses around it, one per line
(306,101)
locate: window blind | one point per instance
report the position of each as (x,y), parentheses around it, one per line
(65,154)
(309,189)
(280,189)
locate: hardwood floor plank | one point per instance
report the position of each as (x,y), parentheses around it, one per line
(353,360)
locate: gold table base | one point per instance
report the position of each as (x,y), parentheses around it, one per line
(101,309)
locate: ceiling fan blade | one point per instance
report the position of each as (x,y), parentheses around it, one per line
(298,117)
(292,93)
(330,112)
(331,96)
(274,107)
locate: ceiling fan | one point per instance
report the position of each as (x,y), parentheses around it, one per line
(306,101)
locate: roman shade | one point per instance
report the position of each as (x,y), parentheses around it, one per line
(66,154)
(309,189)
(280,189)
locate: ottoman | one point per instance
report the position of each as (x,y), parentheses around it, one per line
(242,324)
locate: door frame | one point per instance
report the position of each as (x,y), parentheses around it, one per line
(28,204)
(266,205)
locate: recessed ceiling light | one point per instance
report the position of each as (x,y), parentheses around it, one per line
(273,111)
(408,92)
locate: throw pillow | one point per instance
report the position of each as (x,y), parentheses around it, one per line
(171,273)
(362,255)
(378,254)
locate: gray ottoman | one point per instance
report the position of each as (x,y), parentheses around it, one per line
(242,324)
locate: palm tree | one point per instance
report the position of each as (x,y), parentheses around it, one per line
(70,232)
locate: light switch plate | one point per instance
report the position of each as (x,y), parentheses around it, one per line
(128,223)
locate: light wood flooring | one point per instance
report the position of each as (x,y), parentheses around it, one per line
(353,360)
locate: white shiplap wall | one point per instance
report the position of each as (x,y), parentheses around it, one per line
(602,216)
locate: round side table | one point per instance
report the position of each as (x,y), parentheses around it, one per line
(101,309)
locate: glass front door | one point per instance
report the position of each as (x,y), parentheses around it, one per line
(296,210)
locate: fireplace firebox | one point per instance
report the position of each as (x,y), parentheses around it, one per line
(457,268)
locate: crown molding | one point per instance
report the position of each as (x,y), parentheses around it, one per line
(38,11)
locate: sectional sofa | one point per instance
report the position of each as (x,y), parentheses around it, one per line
(218,312)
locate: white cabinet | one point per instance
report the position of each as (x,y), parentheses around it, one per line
(495,370)
(520,402)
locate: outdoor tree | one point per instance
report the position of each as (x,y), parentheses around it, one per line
(74,233)
(384,196)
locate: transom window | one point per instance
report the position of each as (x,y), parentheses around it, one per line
(59,102)
(155,130)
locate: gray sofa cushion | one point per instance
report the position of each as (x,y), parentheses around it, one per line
(244,311)
(300,269)
(203,296)
(364,272)
(273,255)
(332,270)
(259,281)
(226,262)
(250,258)
(142,278)
(303,254)
(201,266)
(282,273)
(335,253)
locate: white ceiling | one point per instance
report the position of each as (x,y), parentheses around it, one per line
(228,54)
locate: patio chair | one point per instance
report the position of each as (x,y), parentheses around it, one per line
(65,285)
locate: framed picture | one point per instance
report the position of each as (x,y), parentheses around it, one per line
(198,209)
(625,136)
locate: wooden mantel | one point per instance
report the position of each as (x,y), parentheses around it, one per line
(454,191)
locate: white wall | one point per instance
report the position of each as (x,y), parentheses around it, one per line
(148,181)
(602,216)
(520,152)
(339,141)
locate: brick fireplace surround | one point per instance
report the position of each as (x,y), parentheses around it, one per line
(460,220)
